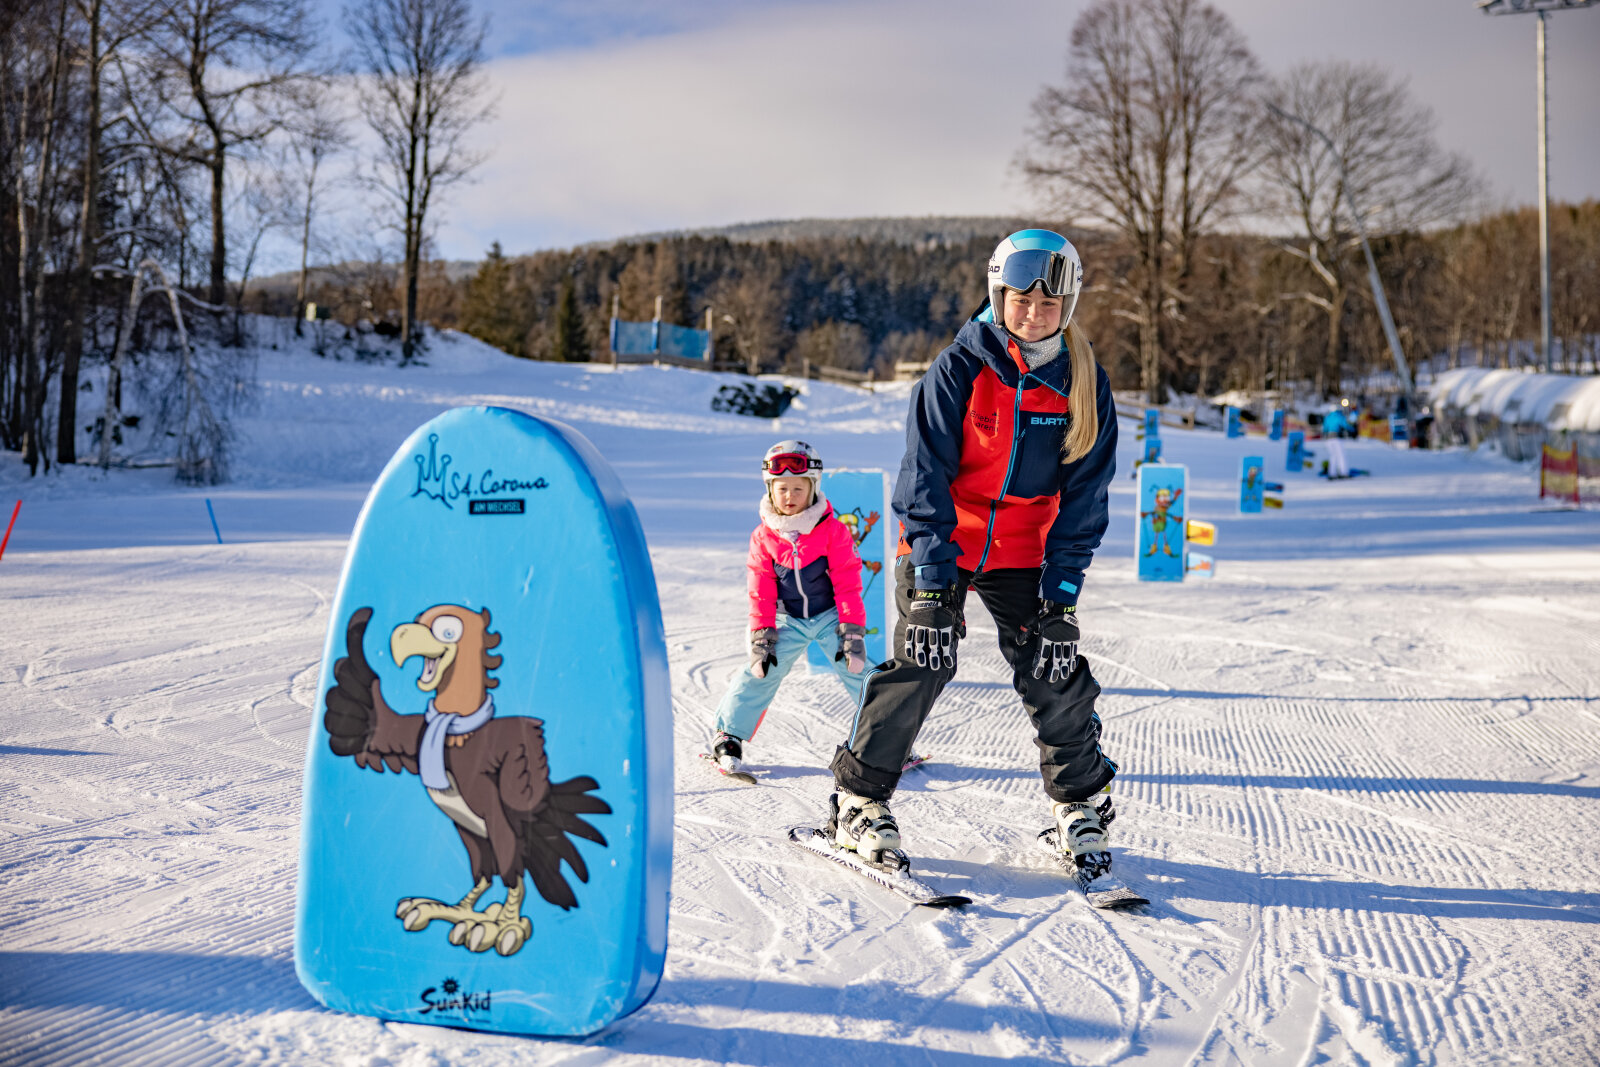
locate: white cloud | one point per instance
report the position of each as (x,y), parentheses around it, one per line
(836,111)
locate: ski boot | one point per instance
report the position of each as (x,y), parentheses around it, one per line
(1082,832)
(867,828)
(728,752)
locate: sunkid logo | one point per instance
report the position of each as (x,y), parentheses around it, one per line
(1047,420)
(448,996)
(436,481)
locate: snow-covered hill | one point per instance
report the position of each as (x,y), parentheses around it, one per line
(1360,767)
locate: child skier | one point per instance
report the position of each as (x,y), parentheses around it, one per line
(805,585)
(1010,447)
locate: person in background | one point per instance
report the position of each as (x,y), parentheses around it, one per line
(804,585)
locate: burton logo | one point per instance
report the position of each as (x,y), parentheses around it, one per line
(436,481)
(449,998)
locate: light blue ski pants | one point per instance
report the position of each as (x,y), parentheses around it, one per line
(747,697)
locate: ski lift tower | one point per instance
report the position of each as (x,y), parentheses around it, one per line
(1540,8)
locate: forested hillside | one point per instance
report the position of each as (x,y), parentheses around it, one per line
(1253,317)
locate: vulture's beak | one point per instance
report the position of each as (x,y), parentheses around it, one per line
(414,639)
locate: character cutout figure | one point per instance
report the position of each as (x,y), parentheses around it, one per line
(860,526)
(1165,524)
(488,775)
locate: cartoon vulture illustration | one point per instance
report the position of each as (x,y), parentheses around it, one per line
(487,774)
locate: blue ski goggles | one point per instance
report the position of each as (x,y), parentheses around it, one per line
(1028,267)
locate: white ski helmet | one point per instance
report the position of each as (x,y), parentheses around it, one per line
(1035,257)
(792,459)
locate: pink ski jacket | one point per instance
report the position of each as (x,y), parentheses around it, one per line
(803,565)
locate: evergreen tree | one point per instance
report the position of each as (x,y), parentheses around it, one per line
(572,344)
(492,311)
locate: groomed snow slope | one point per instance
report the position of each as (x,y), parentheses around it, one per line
(1360,767)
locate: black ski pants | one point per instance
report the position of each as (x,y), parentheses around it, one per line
(899,694)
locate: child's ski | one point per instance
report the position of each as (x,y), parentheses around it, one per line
(918,892)
(742,777)
(913,762)
(1106,891)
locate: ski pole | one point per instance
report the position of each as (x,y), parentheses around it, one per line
(213,514)
(7,538)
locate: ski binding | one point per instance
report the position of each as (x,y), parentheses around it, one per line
(1107,891)
(895,875)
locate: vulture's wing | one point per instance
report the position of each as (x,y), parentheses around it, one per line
(360,722)
(524,771)
(547,837)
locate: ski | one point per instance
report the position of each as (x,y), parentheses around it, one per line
(918,892)
(913,763)
(1107,892)
(742,777)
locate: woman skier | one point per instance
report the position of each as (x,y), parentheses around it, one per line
(1010,447)
(804,581)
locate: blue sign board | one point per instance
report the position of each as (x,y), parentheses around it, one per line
(860,500)
(1160,516)
(1252,484)
(486,836)
(1298,458)
(1152,423)
(1276,433)
(1235,424)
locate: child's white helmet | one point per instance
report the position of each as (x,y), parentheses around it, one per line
(1035,257)
(792,459)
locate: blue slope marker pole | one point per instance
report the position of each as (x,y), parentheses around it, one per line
(213,515)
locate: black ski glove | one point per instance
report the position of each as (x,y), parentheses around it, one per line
(763,651)
(933,629)
(852,647)
(1056,629)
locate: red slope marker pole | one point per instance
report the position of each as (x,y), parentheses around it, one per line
(7,539)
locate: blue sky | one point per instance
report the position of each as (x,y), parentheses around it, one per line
(620,117)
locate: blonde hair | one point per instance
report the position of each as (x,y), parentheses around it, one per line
(1084,429)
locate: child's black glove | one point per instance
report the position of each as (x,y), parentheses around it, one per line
(763,651)
(1056,629)
(852,647)
(933,629)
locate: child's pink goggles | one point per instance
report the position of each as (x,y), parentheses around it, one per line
(790,463)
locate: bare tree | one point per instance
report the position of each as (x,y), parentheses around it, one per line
(38,116)
(421,90)
(225,70)
(316,135)
(1151,135)
(1396,172)
(106,29)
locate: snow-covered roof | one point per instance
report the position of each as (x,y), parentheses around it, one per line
(1558,401)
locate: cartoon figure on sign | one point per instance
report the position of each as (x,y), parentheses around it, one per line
(860,526)
(487,775)
(1165,524)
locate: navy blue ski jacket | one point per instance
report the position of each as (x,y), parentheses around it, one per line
(982,485)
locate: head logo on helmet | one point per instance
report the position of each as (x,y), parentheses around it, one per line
(1036,257)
